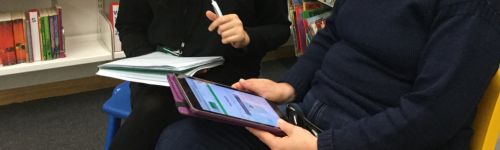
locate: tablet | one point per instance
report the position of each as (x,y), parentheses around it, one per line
(200,98)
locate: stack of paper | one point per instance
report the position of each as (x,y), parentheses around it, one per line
(153,68)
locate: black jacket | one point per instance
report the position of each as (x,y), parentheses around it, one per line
(146,24)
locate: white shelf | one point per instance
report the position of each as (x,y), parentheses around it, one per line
(119,55)
(327,2)
(80,50)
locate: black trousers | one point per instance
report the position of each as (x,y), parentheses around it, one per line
(153,109)
(200,134)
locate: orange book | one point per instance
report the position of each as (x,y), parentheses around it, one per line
(7,40)
(19,37)
(1,55)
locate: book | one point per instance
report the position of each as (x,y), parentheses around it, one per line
(27,32)
(53,36)
(104,8)
(153,68)
(18,20)
(60,32)
(113,15)
(300,29)
(34,27)
(7,46)
(45,34)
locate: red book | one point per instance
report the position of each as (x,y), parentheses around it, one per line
(7,40)
(62,48)
(19,37)
(113,14)
(300,29)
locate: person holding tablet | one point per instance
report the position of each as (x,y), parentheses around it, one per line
(245,32)
(384,75)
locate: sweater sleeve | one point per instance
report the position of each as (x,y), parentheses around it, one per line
(273,27)
(132,23)
(458,61)
(302,73)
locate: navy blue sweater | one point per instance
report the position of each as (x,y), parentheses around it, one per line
(410,72)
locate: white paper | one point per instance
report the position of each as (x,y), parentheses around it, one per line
(162,61)
(153,68)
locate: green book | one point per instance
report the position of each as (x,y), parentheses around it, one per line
(45,32)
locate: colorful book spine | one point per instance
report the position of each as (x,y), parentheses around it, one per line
(19,37)
(7,46)
(300,29)
(35,45)
(56,34)
(27,31)
(60,30)
(45,32)
(52,29)
(113,15)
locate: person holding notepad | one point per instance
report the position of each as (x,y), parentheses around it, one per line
(382,75)
(242,32)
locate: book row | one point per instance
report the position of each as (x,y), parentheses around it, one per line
(307,17)
(31,36)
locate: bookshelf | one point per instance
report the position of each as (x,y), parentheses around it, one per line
(81,50)
(88,42)
(307,17)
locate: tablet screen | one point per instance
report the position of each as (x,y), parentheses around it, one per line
(223,100)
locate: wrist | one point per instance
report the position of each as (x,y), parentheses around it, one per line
(288,94)
(246,39)
(314,144)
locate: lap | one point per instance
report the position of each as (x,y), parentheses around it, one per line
(193,133)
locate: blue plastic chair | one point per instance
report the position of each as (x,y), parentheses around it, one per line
(117,107)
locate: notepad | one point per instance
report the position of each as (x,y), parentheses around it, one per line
(153,68)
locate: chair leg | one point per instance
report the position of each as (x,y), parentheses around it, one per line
(113,126)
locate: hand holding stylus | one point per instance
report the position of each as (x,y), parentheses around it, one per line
(230,28)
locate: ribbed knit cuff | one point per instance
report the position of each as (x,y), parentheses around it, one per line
(325,140)
(299,85)
(254,45)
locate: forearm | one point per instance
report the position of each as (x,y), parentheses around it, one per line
(272,28)
(135,43)
(267,37)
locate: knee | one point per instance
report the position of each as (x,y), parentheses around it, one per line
(150,100)
(153,106)
(184,134)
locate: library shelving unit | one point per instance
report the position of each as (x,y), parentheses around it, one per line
(88,42)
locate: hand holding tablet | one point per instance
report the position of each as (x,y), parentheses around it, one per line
(204,99)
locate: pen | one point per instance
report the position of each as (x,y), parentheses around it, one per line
(216,8)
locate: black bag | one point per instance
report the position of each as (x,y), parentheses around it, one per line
(295,116)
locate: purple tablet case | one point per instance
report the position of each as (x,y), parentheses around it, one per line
(184,108)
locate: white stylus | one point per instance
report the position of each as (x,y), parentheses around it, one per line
(216,8)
